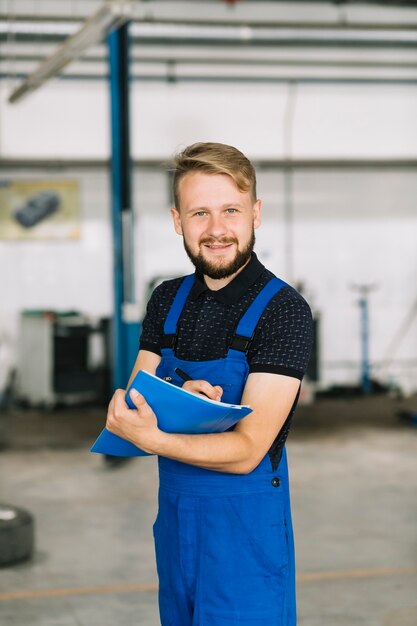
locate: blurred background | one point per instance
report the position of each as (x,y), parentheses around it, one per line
(95,97)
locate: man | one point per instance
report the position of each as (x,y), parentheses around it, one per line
(223,535)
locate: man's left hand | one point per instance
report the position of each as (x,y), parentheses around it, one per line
(137,425)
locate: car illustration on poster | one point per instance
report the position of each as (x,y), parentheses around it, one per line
(37,208)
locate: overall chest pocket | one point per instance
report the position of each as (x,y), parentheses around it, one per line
(230,376)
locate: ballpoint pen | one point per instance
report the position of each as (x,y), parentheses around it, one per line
(182,374)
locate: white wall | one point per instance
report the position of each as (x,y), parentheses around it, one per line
(70,119)
(359,228)
(61,120)
(349,226)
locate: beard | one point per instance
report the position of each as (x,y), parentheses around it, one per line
(220,270)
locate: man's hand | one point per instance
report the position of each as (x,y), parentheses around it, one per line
(202,387)
(136,425)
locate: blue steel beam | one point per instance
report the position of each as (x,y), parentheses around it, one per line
(124,332)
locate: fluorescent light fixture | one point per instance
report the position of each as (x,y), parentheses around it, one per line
(111,15)
(47,27)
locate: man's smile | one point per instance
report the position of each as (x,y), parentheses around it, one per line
(217,246)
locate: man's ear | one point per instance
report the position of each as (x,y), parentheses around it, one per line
(177,220)
(257,214)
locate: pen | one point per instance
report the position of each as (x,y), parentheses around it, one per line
(186,377)
(182,374)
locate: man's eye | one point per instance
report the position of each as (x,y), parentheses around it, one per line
(231,210)
(200,213)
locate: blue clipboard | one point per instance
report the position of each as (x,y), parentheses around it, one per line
(177,411)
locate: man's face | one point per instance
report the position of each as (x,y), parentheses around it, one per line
(217,222)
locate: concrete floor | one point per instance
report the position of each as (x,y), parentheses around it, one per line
(353,467)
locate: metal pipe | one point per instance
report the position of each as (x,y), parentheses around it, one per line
(169,32)
(234,61)
(294,163)
(288,123)
(231,79)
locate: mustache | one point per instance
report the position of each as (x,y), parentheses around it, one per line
(222,241)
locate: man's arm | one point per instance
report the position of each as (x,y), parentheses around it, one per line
(147,361)
(271,397)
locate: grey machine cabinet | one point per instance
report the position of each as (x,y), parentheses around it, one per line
(63,359)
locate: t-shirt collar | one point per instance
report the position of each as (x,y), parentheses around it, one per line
(234,290)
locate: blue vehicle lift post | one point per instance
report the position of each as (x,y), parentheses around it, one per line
(365,365)
(364,291)
(125,324)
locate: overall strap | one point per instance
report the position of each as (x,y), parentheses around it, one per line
(249,321)
(171,321)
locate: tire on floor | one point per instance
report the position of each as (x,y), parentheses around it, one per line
(17,534)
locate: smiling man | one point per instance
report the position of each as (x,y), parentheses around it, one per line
(223,535)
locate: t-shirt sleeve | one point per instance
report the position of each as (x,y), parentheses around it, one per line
(152,325)
(284,336)
(156,311)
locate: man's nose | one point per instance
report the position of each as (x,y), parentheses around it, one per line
(216,226)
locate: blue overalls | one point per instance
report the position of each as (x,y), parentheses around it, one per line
(224,542)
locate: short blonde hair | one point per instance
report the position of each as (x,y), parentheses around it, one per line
(215,158)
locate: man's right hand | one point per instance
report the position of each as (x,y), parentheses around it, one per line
(203,388)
